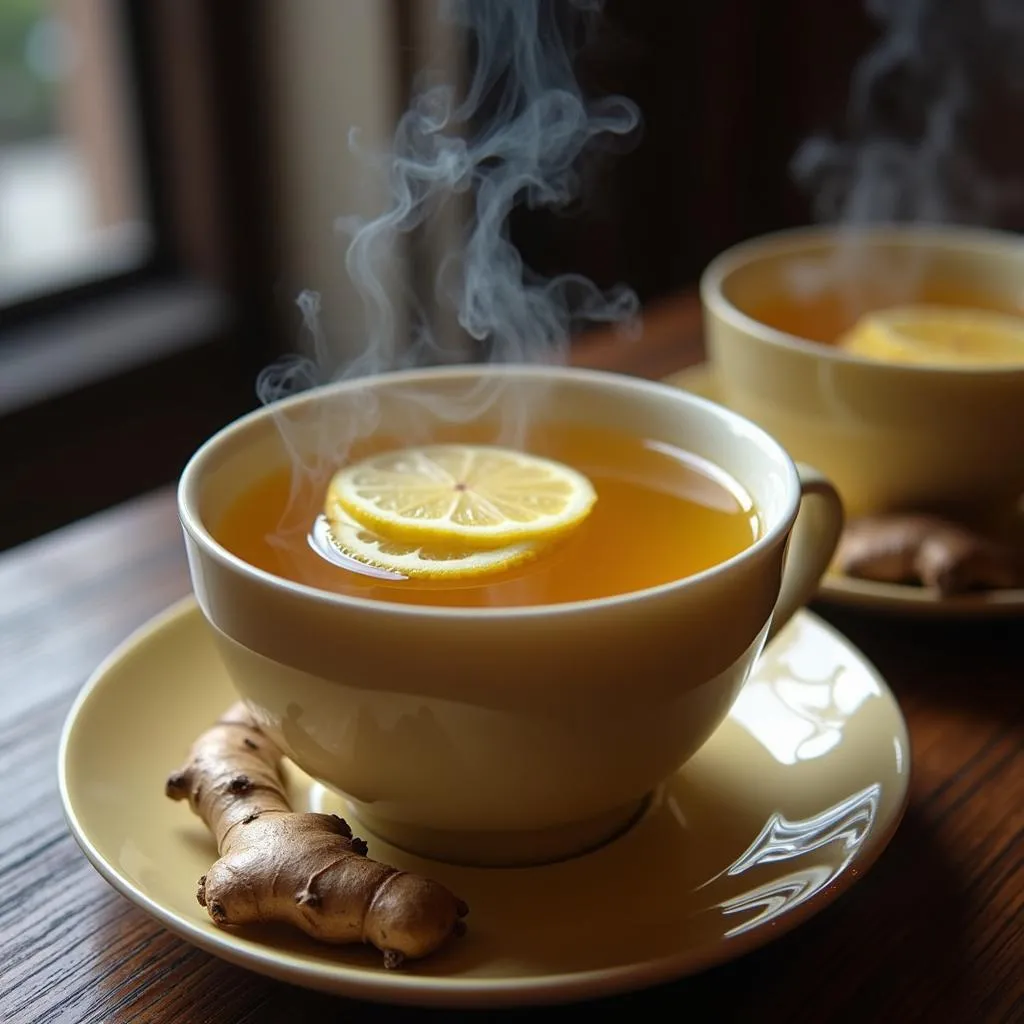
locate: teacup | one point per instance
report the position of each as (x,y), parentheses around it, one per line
(891,436)
(504,735)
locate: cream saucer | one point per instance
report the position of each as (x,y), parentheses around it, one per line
(838,589)
(784,808)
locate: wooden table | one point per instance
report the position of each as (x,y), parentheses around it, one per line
(935,931)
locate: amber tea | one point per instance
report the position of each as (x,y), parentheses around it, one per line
(826,315)
(661,514)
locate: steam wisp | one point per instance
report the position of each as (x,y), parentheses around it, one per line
(928,105)
(516,135)
(918,104)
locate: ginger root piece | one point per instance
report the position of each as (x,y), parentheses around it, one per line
(305,869)
(927,550)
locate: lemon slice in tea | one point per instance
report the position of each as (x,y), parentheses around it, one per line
(460,496)
(939,336)
(425,561)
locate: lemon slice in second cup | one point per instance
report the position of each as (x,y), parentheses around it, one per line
(475,497)
(938,335)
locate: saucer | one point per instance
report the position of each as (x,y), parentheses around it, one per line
(787,805)
(838,589)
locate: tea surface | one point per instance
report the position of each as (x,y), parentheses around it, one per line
(661,514)
(828,314)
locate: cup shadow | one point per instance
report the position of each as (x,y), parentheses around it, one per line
(875,954)
(951,664)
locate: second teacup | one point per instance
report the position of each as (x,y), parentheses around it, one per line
(892,436)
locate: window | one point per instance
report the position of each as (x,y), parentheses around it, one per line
(72,197)
(131,265)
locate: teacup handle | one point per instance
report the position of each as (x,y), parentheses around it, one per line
(812,544)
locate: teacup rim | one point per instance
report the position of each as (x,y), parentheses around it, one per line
(781,242)
(192,523)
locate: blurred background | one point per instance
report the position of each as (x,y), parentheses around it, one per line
(171,171)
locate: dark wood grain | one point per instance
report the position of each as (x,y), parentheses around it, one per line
(935,932)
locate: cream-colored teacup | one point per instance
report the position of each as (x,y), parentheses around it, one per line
(890,436)
(502,735)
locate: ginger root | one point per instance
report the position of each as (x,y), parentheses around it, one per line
(928,551)
(305,869)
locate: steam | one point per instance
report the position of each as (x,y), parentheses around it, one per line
(516,136)
(924,111)
(926,130)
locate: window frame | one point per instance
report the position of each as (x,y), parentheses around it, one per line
(135,23)
(169,349)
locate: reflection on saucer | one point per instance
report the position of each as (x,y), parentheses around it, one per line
(847,823)
(800,698)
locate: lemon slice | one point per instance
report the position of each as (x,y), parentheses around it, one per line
(352,540)
(938,335)
(459,496)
